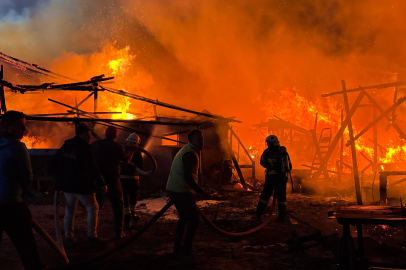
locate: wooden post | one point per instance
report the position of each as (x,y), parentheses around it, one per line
(341,146)
(353,149)
(375,139)
(95,95)
(338,135)
(2,96)
(383,182)
(237,167)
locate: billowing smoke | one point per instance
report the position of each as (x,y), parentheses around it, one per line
(228,57)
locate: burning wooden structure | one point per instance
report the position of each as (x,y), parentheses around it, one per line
(162,136)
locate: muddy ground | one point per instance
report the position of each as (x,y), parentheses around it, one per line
(266,249)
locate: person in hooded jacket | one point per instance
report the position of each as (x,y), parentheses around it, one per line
(78,176)
(15,182)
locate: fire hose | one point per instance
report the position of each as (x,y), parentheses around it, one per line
(153,163)
(49,240)
(146,227)
(240,233)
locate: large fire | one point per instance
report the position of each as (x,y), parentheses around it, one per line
(118,67)
(289,105)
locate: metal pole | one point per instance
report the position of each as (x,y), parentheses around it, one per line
(2,96)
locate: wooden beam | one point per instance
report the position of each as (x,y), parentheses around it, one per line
(376,120)
(237,167)
(353,149)
(395,126)
(377,86)
(339,134)
(166,105)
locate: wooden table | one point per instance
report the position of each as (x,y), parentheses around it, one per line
(369,215)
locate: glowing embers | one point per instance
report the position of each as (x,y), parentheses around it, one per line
(121,60)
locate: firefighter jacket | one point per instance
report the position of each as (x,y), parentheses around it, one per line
(75,168)
(179,180)
(15,169)
(271,159)
(128,171)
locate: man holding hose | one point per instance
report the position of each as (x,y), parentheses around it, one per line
(182,187)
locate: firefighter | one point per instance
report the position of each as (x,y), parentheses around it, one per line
(182,187)
(277,163)
(130,180)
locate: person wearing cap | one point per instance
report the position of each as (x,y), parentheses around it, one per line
(108,155)
(15,182)
(130,180)
(78,176)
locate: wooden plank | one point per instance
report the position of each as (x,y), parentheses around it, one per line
(339,134)
(237,167)
(353,149)
(377,86)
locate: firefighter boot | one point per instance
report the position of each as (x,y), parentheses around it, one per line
(281,212)
(260,209)
(127,221)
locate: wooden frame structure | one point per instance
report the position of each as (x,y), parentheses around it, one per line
(347,122)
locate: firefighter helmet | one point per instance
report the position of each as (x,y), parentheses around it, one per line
(133,138)
(272,139)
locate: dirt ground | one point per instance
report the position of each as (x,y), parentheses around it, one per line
(266,249)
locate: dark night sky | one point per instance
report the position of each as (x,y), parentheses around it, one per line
(17,9)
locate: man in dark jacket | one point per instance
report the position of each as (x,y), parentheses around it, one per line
(78,176)
(15,181)
(108,155)
(277,163)
(130,180)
